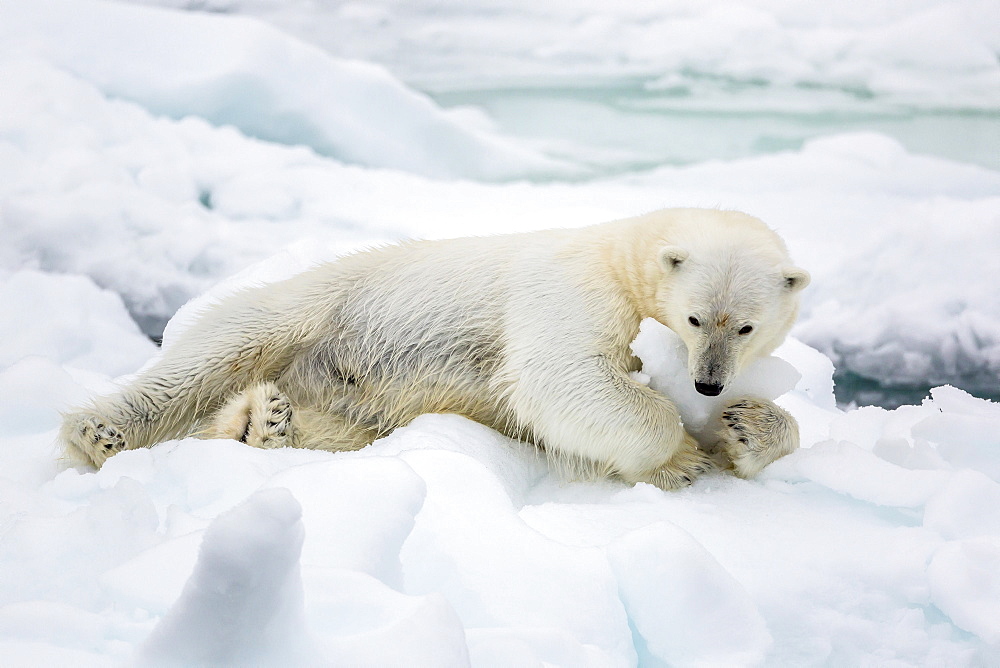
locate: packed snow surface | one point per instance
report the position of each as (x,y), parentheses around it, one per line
(447,544)
(146,155)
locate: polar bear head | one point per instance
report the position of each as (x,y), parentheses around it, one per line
(730,292)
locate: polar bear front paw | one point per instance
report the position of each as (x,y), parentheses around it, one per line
(260,416)
(754,433)
(687,464)
(91,439)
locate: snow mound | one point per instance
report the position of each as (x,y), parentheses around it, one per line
(243,602)
(238,71)
(965,584)
(115,345)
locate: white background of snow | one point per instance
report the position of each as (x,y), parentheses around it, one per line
(91,183)
(924,52)
(445,543)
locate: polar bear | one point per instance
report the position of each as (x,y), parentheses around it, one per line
(526,333)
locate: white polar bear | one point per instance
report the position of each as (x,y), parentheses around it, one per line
(526,333)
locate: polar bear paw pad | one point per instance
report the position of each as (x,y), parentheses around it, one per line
(269,418)
(754,433)
(684,468)
(93,440)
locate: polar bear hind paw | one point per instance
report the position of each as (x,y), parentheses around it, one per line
(684,467)
(260,416)
(755,433)
(91,440)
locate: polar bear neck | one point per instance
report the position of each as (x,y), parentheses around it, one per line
(628,256)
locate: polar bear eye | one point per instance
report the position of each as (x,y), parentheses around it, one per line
(694,321)
(746,329)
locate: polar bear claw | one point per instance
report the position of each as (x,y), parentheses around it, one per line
(90,438)
(260,416)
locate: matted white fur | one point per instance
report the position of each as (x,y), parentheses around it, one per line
(526,333)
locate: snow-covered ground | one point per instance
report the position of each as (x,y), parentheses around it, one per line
(147,154)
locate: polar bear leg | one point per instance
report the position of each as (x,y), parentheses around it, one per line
(262,416)
(755,433)
(687,463)
(163,402)
(90,439)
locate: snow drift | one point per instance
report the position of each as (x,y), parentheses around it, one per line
(241,72)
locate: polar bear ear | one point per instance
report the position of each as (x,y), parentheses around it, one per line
(671,257)
(795,278)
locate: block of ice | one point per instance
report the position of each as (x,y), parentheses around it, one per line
(664,360)
(964,578)
(243,602)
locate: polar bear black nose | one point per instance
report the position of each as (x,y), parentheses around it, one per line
(708,389)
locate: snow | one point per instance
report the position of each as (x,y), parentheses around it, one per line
(149,156)
(448,544)
(678,618)
(159,210)
(936,53)
(241,72)
(243,601)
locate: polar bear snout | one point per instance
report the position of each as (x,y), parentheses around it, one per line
(709,389)
(713,365)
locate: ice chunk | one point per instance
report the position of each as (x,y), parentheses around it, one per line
(197,462)
(964,431)
(58,551)
(816,370)
(172,561)
(953,400)
(470,545)
(664,360)
(358,621)
(967,506)
(964,578)
(846,468)
(371,500)
(515,465)
(243,603)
